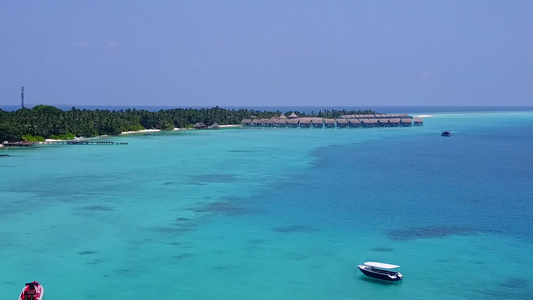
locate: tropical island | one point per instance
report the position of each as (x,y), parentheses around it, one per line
(48,122)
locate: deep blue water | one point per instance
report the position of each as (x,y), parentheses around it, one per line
(413,187)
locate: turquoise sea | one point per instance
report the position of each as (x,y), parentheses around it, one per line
(276,213)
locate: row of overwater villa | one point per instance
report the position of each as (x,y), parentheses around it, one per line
(345,121)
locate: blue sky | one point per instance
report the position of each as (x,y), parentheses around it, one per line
(279,53)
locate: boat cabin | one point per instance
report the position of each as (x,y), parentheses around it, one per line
(446,133)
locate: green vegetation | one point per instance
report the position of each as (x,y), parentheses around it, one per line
(64,136)
(44,121)
(31,138)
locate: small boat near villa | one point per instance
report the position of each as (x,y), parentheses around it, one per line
(32,291)
(380,271)
(446,133)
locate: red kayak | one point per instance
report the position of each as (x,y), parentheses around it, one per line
(32,291)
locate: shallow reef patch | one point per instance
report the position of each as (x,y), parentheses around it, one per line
(213,178)
(96,261)
(430,232)
(382,249)
(182,256)
(98,208)
(294,229)
(224,208)
(514,283)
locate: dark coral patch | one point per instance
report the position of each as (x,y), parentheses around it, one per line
(173,230)
(96,261)
(87,252)
(515,283)
(382,249)
(430,232)
(224,268)
(182,256)
(243,151)
(225,208)
(99,208)
(293,229)
(256,242)
(213,178)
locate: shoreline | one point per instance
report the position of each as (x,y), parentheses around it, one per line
(50,141)
(139,131)
(175,129)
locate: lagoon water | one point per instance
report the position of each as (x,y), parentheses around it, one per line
(276,213)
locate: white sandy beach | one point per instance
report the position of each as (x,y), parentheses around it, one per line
(229,126)
(141,131)
(175,129)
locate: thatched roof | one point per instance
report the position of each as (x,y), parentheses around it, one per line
(282,116)
(293,115)
(214,126)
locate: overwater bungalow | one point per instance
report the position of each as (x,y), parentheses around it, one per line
(418,121)
(406,122)
(200,125)
(395,122)
(374,120)
(369,123)
(305,123)
(293,123)
(354,122)
(383,123)
(329,123)
(214,126)
(317,124)
(280,122)
(267,122)
(342,123)
(256,123)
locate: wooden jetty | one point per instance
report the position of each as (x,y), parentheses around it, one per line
(98,141)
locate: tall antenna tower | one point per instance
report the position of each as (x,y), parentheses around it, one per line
(22,97)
